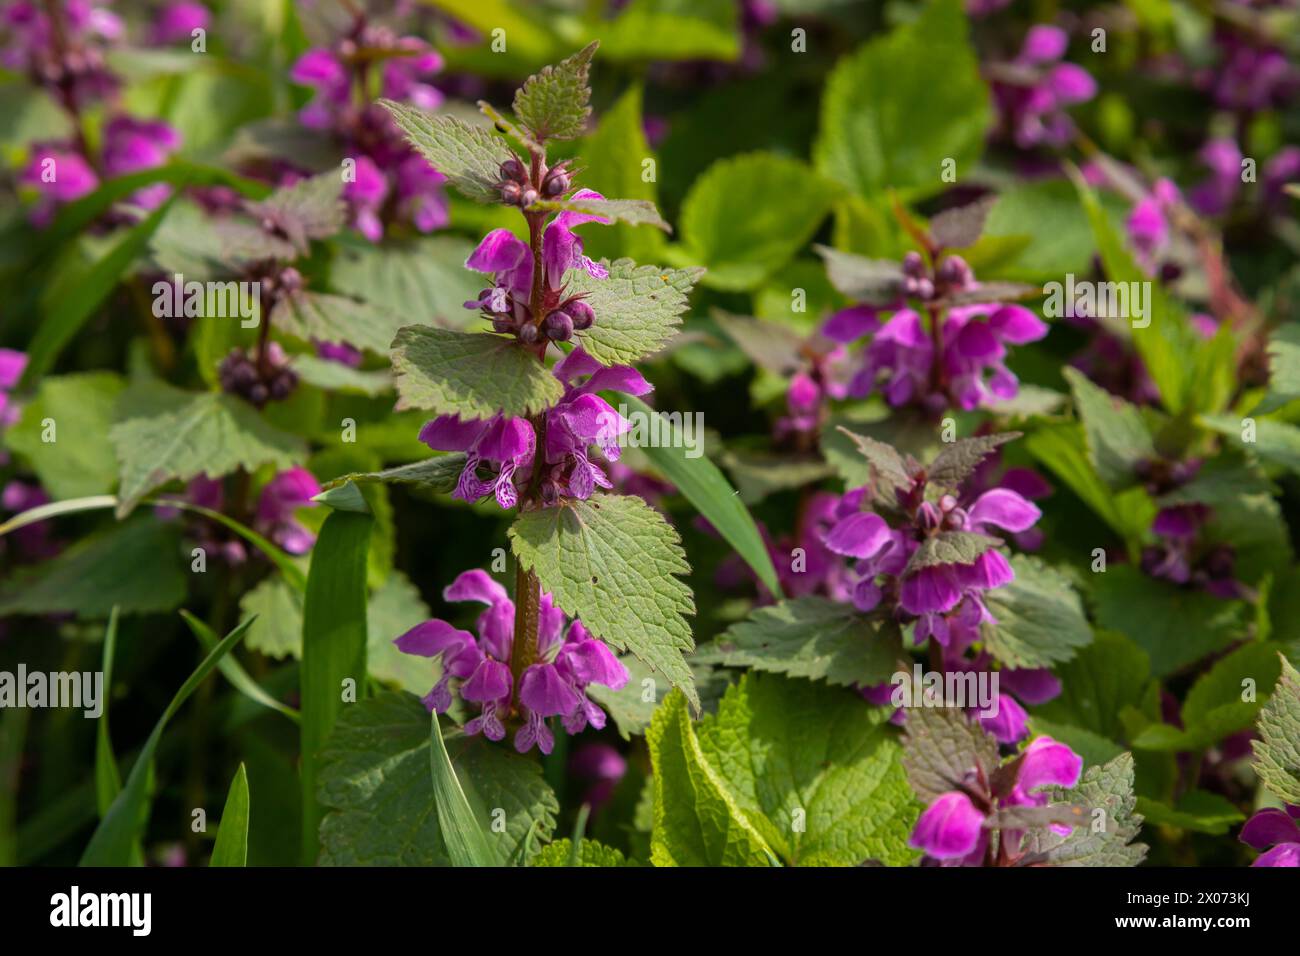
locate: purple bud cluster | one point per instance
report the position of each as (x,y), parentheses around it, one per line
(259,378)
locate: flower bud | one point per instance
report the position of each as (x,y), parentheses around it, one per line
(510,193)
(290,279)
(527,197)
(954,271)
(924,289)
(556,183)
(513,169)
(581,313)
(913,265)
(558,326)
(527,333)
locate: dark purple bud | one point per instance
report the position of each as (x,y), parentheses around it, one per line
(913,265)
(502,323)
(513,169)
(581,313)
(510,193)
(924,289)
(527,197)
(527,333)
(282,385)
(291,279)
(556,183)
(258,394)
(558,326)
(955,272)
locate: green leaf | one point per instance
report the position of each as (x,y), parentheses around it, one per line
(79,460)
(612,561)
(696,819)
(627,705)
(1283,367)
(437,474)
(1118,439)
(1109,789)
(886,469)
(1105,677)
(615,155)
(334,646)
(1057,236)
(474,375)
(950,547)
(810,637)
(124,823)
(552,104)
(771,346)
(961,226)
(394,608)
(73,295)
(375,780)
(108,780)
(1174,625)
(137,566)
(209,433)
(667,30)
(590,853)
(708,490)
(1197,810)
(1216,705)
(469,156)
(423,278)
(876,282)
(815,770)
(337,377)
(746,216)
(885,121)
(633,212)
(1275,441)
(462,833)
(1040,619)
(638,308)
(231,848)
(1277,751)
(231,669)
(941,747)
(334,318)
(958,460)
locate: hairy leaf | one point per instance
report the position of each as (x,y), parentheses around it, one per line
(1040,619)
(638,308)
(1277,751)
(552,104)
(469,156)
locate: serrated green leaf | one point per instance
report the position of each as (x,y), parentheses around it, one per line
(79,460)
(469,156)
(1108,675)
(209,433)
(590,853)
(1040,619)
(668,30)
(337,377)
(814,769)
(961,226)
(707,489)
(627,706)
(1277,751)
(941,747)
(423,278)
(950,547)
(810,637)
(958,460)
(1283,367)
(1118,439)
(311,208)
(1108,788)
(885,122)
(741,239)
(474,375)
(231,848)
(696,819)
(552,104)
(638,308)
(1198,810)
(375,782)
(334,318)
(633,212)
(1275,441)
(612,561)
(885,466)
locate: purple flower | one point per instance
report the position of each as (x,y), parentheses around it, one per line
(365,195)
(1213,196)
(12,366)
(1251,75)
(1277,829)
(952,830)
(177,20)
(60,174)
(1148,223)
(964,365)
(1034,90)
(553,686)
(132,145)
(504,445)
(603,766)
(281,497)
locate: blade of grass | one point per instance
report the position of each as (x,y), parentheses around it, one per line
(108,780)
(124,823)
(467,844)
(707,488)
(333,647)
(231,848)
(234,672)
